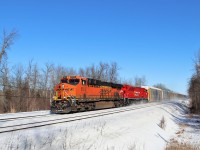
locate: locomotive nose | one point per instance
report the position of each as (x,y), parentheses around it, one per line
(62,86)
(65,91)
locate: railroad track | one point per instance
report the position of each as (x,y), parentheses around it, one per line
(23,117)
(78,116)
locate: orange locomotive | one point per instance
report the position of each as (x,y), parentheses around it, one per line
(76,93)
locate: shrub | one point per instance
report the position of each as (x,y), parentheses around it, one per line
(177,146)
(162,123)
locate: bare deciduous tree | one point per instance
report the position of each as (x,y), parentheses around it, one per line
(102,71)
(139,81)
(93,72)
(58,72)
(194,86)
(194,94)
(46,77)
(18,83)
(161,86)
(5,44)
(128,81)
(113,72)
(7,41)
(81,72)
(197,64)
(5,86)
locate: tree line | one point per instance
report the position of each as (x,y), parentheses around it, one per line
(194,86)
(31,88)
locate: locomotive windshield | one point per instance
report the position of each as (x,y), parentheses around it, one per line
(70,81)
(64,81)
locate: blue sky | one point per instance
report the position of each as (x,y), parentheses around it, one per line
(157,39)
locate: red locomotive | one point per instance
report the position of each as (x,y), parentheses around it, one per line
(76,93)
(134,93)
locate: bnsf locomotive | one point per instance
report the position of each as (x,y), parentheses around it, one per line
(76,93)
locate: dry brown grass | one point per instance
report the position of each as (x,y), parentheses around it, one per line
(174,145)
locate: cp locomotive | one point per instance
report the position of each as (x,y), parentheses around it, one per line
(76,93)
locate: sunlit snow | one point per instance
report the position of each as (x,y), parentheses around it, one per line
(138,129)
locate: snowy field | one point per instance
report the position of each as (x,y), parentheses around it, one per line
(150,128)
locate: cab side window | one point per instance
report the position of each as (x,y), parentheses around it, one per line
(83,82)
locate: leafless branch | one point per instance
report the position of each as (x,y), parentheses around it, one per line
(7,41)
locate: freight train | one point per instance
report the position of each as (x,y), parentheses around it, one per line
(77,93)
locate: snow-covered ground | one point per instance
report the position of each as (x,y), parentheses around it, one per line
(150,128)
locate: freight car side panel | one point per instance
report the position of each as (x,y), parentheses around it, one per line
(154,94)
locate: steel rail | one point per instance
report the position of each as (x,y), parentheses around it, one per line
(72,118)
(22,117)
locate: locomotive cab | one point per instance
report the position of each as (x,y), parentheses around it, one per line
(66,89)
(65,95)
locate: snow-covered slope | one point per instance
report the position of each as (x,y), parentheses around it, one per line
(150,128)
